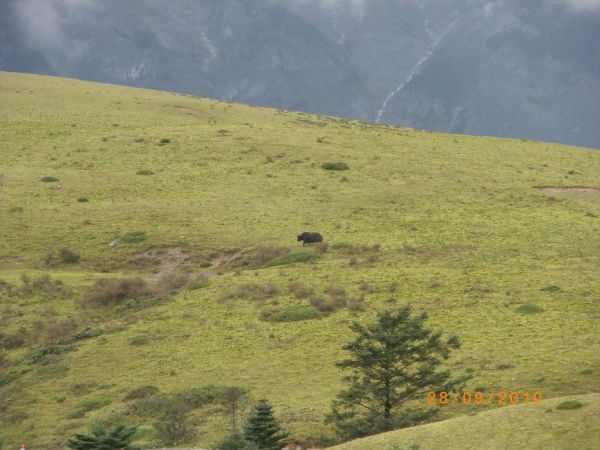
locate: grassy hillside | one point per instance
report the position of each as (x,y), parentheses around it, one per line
(468,229)
(520,426)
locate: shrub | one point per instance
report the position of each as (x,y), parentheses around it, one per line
(322,247)
(292,258)
(251,291)
(529,309)
(176,426)
(14,340)
(551,288)
(335,166)
(586,372)
(170,284)
(339,245)
(293,313)
(144,172)
(68,256)
(134,237)
(49,179)
(139,340)
(165,141)
(300,290)
(83,199)
(88,333)
(76,413)
(199,284)
(569,404)
(357,304)
(15,209)
(141,392)
(61,332)
(112,292)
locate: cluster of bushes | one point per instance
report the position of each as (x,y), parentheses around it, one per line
(44,285)
(251,291)
(133,292)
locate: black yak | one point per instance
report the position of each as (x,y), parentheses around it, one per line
(309,238)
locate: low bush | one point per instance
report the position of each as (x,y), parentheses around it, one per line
(198,285)
(322,247)
(144,172)
(134,237)
(356,304)
(165,141)
(87,405)
(251,291)
(68,256)
(324,305)
(14,340)
(300,290)
(293,313)
(141,392)
(110,292)
(569,404)
(49,179)
(529,309)
(14,209)
(339,245)
(292,258)
(83,199)
(335,166)
(88,333)
(551,288)
(139,340)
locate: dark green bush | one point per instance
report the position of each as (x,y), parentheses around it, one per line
(87,405)
(569,404)
(83,199)
(165,141)
(586,372)
(339,245)
(139,340)
(134,237)
(144,172)
(68,256)
(292,258)
(49,179)
(335,166)
(529,309)
(88,333)
(551,288)
(293,313)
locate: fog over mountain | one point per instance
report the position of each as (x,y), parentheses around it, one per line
(520,69)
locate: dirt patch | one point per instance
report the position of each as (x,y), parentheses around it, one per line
(191,111)
(169,262)
(223,259)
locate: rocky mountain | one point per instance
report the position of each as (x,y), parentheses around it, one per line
(528,70)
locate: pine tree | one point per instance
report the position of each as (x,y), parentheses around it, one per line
(99,439)
(393,362)
(263,429)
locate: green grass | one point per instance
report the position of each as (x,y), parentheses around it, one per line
(529,309)
(292,258)
(569,404)
(500,428)
(134,237)
(293,313)
(462,232)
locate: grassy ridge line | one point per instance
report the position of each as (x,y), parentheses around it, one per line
(517,426)
(461,228)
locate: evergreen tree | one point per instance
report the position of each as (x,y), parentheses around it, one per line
(99,439)
(393,361)
(263,429)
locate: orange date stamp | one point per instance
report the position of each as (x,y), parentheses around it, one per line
(479,398)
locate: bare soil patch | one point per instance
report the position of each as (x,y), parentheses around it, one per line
(191,111)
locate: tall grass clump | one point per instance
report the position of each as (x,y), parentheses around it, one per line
(49,179)
(335,166)
(529,309)
(144,172)
(134,237)
(110,292)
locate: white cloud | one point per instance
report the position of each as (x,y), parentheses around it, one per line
(43,25)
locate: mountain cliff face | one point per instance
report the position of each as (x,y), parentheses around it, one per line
(527,70)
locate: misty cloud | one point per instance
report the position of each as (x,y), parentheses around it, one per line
(583,5)
(44,27)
